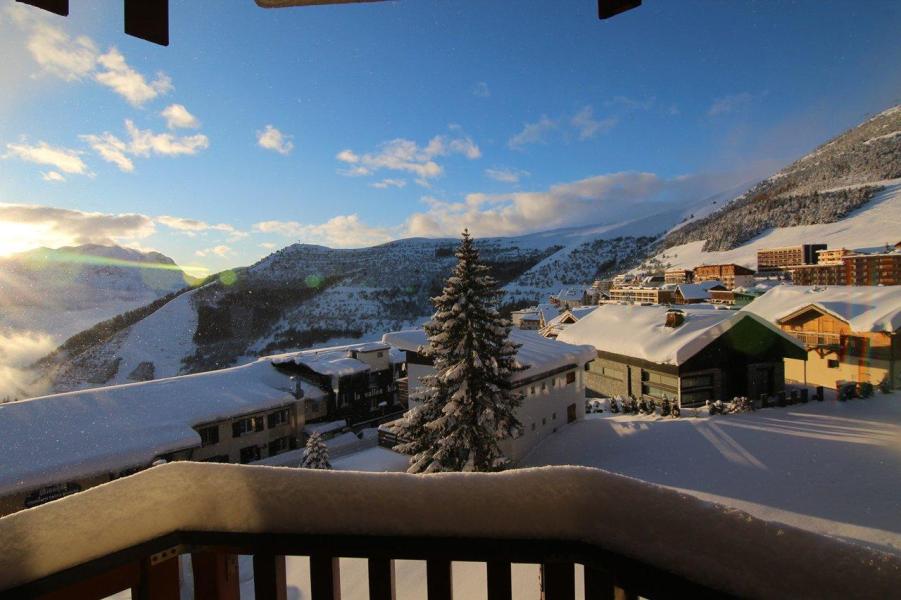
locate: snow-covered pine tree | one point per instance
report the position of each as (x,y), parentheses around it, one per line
(469,404)
(315,453)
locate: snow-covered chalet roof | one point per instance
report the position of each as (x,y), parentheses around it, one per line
(538,353)
(640,331)
(577,313)
(573,294)
(693,291)
(58,438)
(864,308)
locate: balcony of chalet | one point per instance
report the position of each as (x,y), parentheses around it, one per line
(632,538)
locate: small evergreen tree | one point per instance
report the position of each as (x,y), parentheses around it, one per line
(614,406)
(633,405)
(676,411)
(665,407)
(315,453)
(469,404)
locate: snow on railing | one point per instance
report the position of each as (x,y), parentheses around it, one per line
(716,548)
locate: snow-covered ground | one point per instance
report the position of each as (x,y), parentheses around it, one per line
(869,228)
(829,467)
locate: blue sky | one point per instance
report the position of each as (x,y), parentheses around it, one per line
(352,125)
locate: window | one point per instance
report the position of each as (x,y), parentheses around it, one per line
(697,381)
(554,416)
(248,425)
(832,364)
(209,435)
(278,446)
(380,354)
(544,420)
(219,458)
(533,390)
(250,454)
(543,385)
(611,373)
(571,377)
(696,398)
(533,426)
(279,417)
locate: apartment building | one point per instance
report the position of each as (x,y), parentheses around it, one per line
(832,257)
(731,275)
(854,269)
(552,385)
(692,354)
(850,333)
(677,276)
(642,294)
(774,260)
(64,443)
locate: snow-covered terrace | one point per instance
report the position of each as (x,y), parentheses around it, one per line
(336,361)
(110,429)
(643,538)
(864,308)
(536,352)
(641,331)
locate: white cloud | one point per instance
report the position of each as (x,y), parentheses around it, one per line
(386,183)
(729,104)
(60,55)
(407,156)
(54,227)
(144,143)
(533,133)
(506,175)
(481,90)
(178,117)
(117,75)
(343,231)
(611,198)
(588,127)
(268,245)
(273,139)
(192,227)
(18,351)
(221,250)
(52,176)
(62,159)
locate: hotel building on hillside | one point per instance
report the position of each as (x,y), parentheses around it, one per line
(854,269)
(850,333)
(776,260)
(730,275)
(642,294)
(692,354)
(552,385)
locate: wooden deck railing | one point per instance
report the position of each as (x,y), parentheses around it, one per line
(634,539)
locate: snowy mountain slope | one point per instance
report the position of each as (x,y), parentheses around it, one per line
(868,228)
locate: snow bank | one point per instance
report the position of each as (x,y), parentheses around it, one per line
(708,543)
(640,331)
(107,430)
(864,308)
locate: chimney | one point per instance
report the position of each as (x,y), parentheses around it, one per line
(674,318)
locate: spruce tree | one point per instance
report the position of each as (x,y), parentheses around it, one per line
(315,453)
(469,404)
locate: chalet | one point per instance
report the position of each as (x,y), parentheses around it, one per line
(526,318)
(358,381)
(690,293)
(850,333)
(691,355)
(567,317)
(570,297)
(731,275)
(552,384)
(61,444)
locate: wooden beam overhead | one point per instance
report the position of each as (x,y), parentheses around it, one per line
(59,7)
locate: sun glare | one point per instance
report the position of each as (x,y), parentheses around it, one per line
(19,237)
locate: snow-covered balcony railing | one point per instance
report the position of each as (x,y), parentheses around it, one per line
(633,538)
(817,340)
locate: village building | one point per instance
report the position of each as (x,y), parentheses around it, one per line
(642,294)
(570,297)
(730,275)
(691,355)
(526,318)
(61,444)
(678,276)
(564,319)
(552,385)
(855,269)
(358,381)
(850,333)
(832,257)
(775,260)
(695,293)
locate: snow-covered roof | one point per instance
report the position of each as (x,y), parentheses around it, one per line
(337,360)
(571,294)
(693,291)
(641,331)
(709,283)
(57,438)
(548,311)
(864,308)
(538,353)
(577,312)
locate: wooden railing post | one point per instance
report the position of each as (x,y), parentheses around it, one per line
(500,584)
(439,581)
(558,581)
(159,579)
(381,579)
(269,577)
(325,577)
(215,575)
